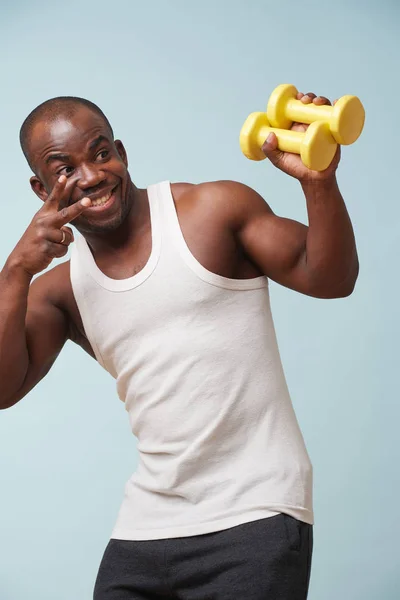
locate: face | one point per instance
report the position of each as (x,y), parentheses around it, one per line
(82,148)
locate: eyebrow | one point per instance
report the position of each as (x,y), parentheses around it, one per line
(58,157)
(97,141)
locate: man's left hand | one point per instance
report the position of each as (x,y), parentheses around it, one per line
(291,163)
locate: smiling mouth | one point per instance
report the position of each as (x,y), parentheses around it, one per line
(104,199)
(102,203)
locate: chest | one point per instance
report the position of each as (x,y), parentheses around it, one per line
(209,240)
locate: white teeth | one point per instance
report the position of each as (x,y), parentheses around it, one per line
(102,200)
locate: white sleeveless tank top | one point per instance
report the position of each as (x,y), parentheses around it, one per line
(196,362)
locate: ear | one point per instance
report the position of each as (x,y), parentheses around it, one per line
(38,187)
(121,151)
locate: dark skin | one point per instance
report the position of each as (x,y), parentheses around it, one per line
(228,227)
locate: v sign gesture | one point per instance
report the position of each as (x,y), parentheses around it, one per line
(47,237)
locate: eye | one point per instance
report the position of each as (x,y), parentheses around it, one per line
(65,171)
(103,154)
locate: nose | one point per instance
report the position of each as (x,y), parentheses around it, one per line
(90,177)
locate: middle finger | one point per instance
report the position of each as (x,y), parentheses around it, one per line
(307,98)
(319,100)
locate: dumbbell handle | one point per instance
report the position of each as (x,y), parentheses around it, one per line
(288,140)
(298,111)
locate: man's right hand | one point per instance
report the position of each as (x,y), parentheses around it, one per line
(47,237)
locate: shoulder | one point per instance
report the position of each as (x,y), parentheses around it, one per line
(223,188)
(233,201)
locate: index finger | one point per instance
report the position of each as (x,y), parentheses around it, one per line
(56,194)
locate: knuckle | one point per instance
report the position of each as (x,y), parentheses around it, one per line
(64,213)
(41,232)
(44,246)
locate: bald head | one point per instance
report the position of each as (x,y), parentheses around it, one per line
(62,107)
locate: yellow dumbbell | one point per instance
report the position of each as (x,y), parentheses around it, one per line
(316,146)
(346,118)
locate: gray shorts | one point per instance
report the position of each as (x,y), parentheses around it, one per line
(267,559)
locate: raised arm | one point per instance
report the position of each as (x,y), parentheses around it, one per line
(319,259)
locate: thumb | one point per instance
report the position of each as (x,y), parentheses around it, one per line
(270,149)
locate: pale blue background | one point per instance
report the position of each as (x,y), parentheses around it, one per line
(177,79)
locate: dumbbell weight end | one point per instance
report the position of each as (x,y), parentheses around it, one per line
(318,147)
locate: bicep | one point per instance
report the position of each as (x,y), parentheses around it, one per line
(277,245)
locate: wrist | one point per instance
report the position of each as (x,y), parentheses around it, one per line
(14,271)
(325,185)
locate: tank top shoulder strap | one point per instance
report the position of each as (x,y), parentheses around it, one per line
(168,224)
(172,229)
(166,203)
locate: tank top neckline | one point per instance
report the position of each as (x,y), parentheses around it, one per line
(157,194)
(120,285)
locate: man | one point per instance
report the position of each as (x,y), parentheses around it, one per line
(167,287)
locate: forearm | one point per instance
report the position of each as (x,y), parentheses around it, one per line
(330,252)
(14,357)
